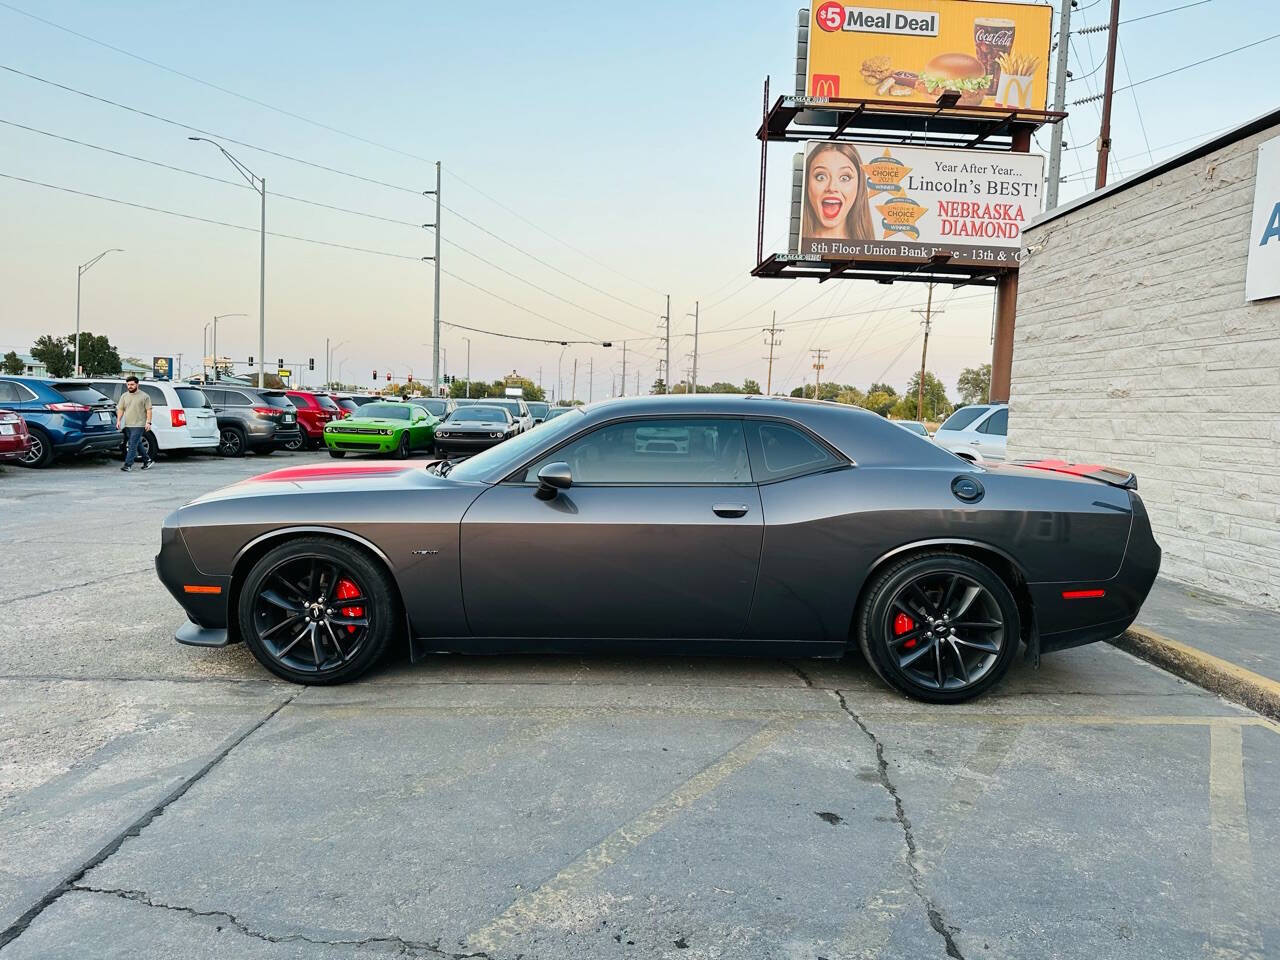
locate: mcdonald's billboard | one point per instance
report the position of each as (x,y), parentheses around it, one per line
(993,54)
(863,201)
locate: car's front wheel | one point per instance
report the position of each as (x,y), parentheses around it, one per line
(402,448)
(939,627)
(317,611)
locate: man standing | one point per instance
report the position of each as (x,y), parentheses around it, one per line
(133,416)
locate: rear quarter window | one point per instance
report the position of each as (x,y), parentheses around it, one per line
(779,450)
(80,393)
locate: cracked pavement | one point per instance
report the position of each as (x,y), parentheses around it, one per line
(159,801)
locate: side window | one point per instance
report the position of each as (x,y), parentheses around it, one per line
(997,423)
(157,397)
(236,399)
(8,392)
(217,398)
(779,451)
(676,450)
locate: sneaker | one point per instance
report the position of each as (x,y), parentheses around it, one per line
(147,465)
(126,469)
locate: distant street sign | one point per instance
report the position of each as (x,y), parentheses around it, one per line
(284,374)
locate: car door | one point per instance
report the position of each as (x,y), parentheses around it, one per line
(652,540)
(991,434)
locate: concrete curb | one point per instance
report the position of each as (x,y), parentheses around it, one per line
(1219,676)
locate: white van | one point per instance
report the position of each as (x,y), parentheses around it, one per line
(182,419)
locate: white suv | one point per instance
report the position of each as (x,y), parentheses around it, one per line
(981,428)
(182,419)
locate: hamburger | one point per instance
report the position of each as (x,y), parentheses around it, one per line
(956,71)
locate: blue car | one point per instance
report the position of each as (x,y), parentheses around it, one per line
(65,419)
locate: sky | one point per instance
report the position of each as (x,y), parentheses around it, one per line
(596,158)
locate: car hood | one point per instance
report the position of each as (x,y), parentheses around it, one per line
(367,476)
(372,422)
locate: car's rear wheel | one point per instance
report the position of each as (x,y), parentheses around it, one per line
(41,452)
(231,442)
(402,448)
(294,444)
(939,627)
(148,448)
(317,611)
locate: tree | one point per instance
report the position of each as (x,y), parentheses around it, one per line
(659,386)
(721,387)
(936,404)
(850,395)
(751,386)
(56,356)
(881,388)
(975,384)
(97,356)
(12,364)
(478,389)
(879,401)
(531,390)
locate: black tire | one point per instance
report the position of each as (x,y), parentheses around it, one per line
(337,454)
(148,448)
(956,609)
(232,442)
(296,575)
(402,449)
(41,453)
(293,445)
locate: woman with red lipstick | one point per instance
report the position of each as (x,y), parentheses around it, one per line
(836,195)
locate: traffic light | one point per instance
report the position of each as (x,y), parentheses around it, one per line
(280,362)
(411,378)
(375,374)
(388,376)
(251,361)
(311,363)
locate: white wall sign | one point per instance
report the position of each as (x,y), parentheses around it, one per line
(1262,278)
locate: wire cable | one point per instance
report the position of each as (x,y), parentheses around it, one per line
(1188,66)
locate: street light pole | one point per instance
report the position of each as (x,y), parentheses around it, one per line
(468,339)
(328,353)
(221,316)
(204,367)
(80,272)
(435,316)
(260,185)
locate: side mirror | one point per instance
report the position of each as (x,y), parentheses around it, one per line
(553,478)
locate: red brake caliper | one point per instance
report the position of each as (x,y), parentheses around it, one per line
(346,590)
(901,624)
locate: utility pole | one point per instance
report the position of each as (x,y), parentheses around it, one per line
(435,317)
(591,379)
(637,383)
(573,390)
(667,340)
(623,389)
(818,356)
(695,346)
(468,339)
(1108,94)
(1059,101)
(771,341)
(929,313)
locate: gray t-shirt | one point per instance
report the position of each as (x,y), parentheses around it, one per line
(134,409)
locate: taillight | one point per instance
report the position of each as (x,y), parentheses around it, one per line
(67,407)
(266,413)
(178,418)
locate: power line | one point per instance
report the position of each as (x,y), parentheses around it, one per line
(220,223)
(513,336)
(1188,66)
(1137,106)
(1146,16)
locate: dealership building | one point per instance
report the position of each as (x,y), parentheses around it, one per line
(1138,345)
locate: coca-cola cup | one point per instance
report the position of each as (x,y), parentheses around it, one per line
(992,39)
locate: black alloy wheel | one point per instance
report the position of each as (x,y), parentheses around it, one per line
(939,627)
(402,450)
(41,452)
(148,448)
(317,611)
(231,442)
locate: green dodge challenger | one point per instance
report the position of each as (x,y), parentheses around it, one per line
(391,427)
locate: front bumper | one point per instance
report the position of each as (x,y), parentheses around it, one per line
(361,442)
(203,597)
(466,444)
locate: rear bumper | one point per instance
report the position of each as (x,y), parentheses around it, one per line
(97,442)
(1076,613)
(12,446)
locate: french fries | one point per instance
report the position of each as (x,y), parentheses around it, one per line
(1018,64)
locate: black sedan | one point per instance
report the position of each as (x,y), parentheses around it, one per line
(702,524)
(469,430)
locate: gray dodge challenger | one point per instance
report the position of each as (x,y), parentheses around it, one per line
(704,524)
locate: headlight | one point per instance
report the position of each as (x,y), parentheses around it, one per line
(495,434)
(442,433)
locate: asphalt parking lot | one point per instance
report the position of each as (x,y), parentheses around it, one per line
(162,801)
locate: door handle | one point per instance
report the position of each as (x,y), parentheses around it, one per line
(974,443)
(730,509)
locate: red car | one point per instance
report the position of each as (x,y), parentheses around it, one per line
(15,442)
(348,405)
(314,411)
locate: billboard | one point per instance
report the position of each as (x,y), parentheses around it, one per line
(861,201)
(994,54)
(161,368)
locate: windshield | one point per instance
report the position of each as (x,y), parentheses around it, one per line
(539,410)
(326,403)
(478,414)
(511,406)
(191,397)
(347,404)
(434,407)
(962,418)
(385,411)
(277,400)
(508,455)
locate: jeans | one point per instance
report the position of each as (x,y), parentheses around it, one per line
(132,438)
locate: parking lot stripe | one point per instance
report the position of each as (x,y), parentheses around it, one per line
(543,902)
(1233,927)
